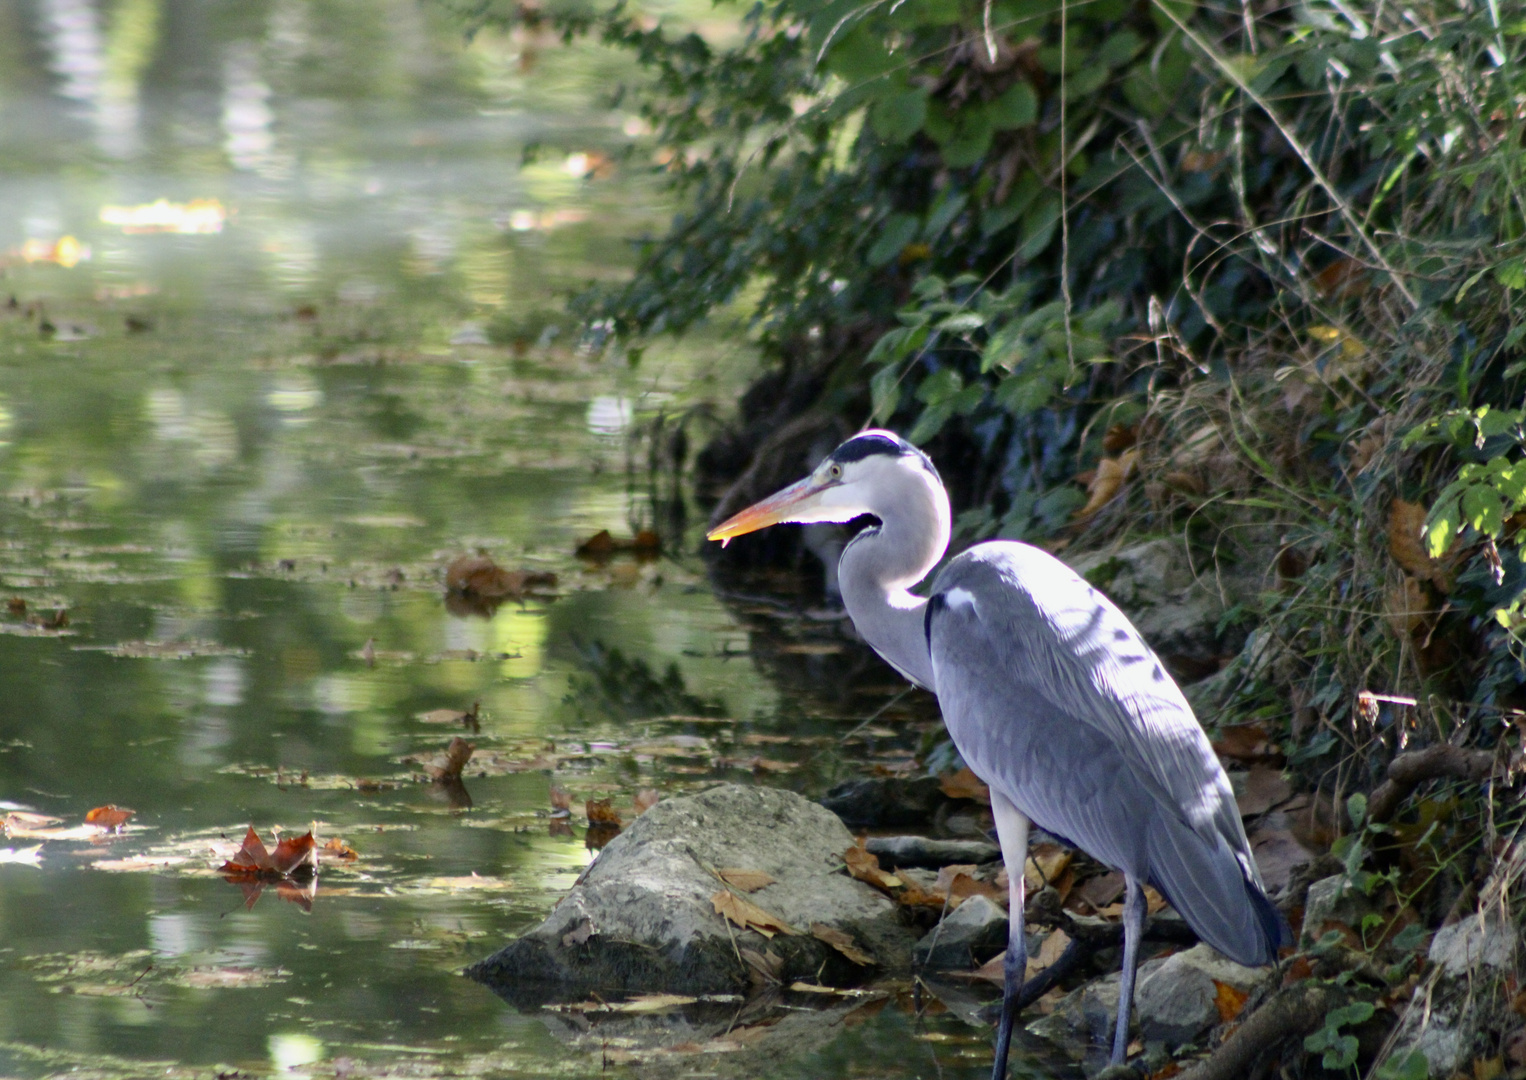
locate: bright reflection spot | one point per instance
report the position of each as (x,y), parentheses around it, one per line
(294,396)
(522,220)
(246,112)
(198,217)
(173,935)
(166,409)
(289,1051)
(609,415)
(65,251)
(577,165)
(224,681)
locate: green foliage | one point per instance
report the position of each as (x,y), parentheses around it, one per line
(1338,1049)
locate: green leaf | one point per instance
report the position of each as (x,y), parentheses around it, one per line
(1120,47)
(1016,108)
(930,423)
(1408,1065)
(940,386)
(1441,526)
(885,393)
(898,231)
(1039,225)
(962,322)
(1182,9)
(947,209)
(1356,810)
(1511,273)
(1483,509)
(971,138)
(900,116)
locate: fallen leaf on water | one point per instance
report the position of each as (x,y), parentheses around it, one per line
(1228,1001)
(746,880)
(646,798)
(453,716)
(21,822)
(647,1003)
(749,916)
(109,816)
(139,863)
(31,856)
(338,849)
(602,544)
(964,784)
(842,942)
(293,857)
(866,867)
(479,575)
(561,801)
(227,978)
(602,812)
(447,768)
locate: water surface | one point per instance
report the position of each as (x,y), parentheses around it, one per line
(242,433)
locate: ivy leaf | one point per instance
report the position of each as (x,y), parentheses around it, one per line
(899,230)
(1511,273)
(1016,108)
(900,116)
(1441,526)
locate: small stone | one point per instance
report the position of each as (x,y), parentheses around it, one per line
(894,851)
(1472,942)
(968,935)
(1085,1016)
(1333,900)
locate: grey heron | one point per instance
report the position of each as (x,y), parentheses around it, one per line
(1051,696)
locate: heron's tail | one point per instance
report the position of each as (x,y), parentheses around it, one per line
(1207,883)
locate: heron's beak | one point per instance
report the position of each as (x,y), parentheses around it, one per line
(780,506)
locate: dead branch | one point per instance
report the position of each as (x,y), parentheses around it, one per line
(1409,770)
(1292,1012)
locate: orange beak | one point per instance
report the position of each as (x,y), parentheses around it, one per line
(780,506)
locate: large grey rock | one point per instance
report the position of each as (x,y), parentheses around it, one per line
(1473,942)
(1085,1016)
(967,936)
(884,802)
(641,917)
(1176,1000)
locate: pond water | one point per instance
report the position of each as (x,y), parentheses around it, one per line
(278,342)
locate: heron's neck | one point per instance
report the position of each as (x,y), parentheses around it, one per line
(879,567)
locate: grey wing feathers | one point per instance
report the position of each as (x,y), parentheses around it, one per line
(1052,696)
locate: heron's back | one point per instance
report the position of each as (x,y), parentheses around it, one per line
(1053,697)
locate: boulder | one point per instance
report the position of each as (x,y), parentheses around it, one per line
(969,935)
(1471,943)
(1176,999)
(1085,1017)
(642,916)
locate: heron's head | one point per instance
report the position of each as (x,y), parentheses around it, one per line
(875,472)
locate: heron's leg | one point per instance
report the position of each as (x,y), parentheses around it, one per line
(1012,831)
(1133,930)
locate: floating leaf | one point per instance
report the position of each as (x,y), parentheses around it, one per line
(109,817)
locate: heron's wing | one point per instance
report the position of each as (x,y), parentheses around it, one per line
(1052,696)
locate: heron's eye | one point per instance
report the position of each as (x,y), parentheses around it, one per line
(835,472)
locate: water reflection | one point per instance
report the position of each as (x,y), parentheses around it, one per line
(311,224)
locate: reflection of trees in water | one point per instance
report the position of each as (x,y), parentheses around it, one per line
(613,684)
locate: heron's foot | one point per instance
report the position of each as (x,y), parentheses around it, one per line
(1120,1072)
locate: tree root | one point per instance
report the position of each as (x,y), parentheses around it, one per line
(1409,770)
(1294,1011)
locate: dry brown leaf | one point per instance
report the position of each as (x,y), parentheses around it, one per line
(866,867)
(1488,1068)
(448,767)
(1246,742)
(1265,788)
(749,916)
(958,884)
(1228,1001)
(842,942)
(338,849)
(1108,480)
(1407,607)
(601,812)
(1046,863)
(1100,891)
(1406,524)
(964,784)
(109,816)
(746,880)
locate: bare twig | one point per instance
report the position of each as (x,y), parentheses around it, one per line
(1413,768)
